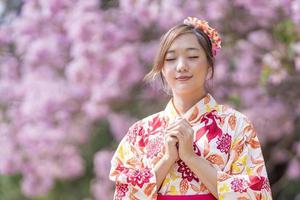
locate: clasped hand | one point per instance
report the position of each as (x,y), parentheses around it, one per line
(179,137)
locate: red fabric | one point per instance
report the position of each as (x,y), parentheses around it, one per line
(186,197)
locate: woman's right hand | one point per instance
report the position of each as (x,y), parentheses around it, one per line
(170,156)
(171,143)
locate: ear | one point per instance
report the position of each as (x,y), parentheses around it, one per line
(209,73)
(163,72)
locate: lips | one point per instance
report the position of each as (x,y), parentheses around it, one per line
(183,78)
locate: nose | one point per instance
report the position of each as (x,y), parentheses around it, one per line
(181,65)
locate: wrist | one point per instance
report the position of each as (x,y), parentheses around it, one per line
(168,159)
(189,157)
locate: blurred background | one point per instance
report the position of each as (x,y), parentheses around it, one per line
(71,84)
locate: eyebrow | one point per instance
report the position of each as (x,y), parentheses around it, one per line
(188,49)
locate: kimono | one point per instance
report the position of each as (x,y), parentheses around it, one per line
(223,136)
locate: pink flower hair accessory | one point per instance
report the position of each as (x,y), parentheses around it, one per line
(210,32)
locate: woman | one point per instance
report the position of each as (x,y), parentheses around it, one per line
(195,148)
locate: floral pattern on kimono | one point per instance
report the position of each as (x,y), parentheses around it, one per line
(222,136)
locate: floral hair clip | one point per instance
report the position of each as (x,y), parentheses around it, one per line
(210,32)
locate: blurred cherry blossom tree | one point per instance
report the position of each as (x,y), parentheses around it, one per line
(71,84)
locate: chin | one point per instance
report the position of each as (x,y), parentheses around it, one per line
(186,90)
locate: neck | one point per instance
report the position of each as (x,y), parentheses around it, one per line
(184,102)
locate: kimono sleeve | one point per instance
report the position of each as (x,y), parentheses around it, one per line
(134,178)
(244,175)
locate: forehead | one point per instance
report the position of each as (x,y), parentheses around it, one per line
(185,42)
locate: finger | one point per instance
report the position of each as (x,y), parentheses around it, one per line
(177,134)
(184,122)
(171,126)
(180,136)
(171,134)
(186,129)
(180,122)
(172,138)
(174,133)
(173,123)
(179,128)
(168,129)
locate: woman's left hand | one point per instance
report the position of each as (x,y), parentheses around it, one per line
(185,135)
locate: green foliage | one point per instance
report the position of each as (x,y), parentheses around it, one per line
(285,32)
(10,188)
(290,191)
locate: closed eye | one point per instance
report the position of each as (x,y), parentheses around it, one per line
(170,59)
(190,57)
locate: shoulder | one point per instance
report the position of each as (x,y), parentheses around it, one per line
(244,131)
(154,119)
(229,111)
(147,124)
(235,119)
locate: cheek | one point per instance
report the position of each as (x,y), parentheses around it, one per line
(201,67)
(202,62)
(168,73)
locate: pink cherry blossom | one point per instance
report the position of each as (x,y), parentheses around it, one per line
(66,65)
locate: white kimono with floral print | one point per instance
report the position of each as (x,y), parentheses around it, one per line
(222,135)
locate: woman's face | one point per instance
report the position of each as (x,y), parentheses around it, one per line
(185,66)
